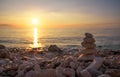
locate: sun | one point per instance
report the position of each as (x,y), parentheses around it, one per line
(35,21)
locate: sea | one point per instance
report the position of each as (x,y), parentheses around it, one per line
(106,38)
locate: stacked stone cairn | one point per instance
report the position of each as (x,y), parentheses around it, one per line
(89,41)
(89,53)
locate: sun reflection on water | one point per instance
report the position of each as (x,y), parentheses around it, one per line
(35,44)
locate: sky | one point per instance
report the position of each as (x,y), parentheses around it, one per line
(60,13)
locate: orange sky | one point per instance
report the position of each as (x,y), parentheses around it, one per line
(58,14)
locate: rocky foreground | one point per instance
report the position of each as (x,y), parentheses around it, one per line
(54,62)
(15,62)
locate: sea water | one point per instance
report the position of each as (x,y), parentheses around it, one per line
(107,38)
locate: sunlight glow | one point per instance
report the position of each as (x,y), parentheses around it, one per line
(35,21)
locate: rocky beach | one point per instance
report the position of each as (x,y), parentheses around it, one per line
(59,38)
(56,62)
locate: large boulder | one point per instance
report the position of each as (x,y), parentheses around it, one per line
(54,48)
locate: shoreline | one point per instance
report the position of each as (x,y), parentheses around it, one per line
(69,47)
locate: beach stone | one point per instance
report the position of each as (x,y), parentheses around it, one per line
(25,58)
(96,64)
(88,45)
(88,51)
(12,73)
(31,74)
(5,76)
(78,70)
(74,65)
(50,55)
(89,40)
(4,53)
(59,72)
(69,72)
(37,67)
(1,69)
(85,73)
(20,74)
(113,72)
(88,35)
(106,62)
(84,57)
(104,75)
(54,48)
(38,72)
(4,61)
(95,72)
(42,73)
(2,47)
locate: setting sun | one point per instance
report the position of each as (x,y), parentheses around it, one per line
(35,21)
